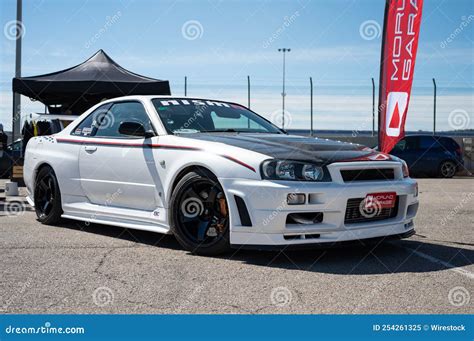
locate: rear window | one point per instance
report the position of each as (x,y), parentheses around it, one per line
(448,143)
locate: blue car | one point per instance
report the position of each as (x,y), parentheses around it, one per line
(430,155)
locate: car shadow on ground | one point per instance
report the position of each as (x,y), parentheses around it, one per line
(401,256)
(137,236)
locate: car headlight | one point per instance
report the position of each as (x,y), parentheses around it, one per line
(405,170)
(292,170)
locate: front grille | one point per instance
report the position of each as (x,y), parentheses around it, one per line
(354,213)
(350,175)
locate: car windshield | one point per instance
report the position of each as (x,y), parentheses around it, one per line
(187,116)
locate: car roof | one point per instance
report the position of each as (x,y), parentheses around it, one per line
(429,135)
(151,97)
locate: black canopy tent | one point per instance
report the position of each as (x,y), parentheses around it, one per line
(78,88)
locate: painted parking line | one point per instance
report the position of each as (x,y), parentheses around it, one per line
(435,260)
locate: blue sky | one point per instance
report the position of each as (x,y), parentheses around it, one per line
(218,43)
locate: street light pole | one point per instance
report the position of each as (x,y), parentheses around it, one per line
(283,94)
(248,92)
(434,107)
(248,99)
(185,86)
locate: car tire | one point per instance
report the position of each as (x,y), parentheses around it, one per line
(47,197)
(197,210)
(447,169)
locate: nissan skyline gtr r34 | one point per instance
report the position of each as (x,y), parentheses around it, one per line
(215,175)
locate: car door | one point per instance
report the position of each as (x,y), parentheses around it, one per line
(407,150)
(118,170)
(431,154)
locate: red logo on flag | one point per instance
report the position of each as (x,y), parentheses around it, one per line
(395,121)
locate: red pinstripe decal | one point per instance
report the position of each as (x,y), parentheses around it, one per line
(122,144)
(152,145)
(239,162)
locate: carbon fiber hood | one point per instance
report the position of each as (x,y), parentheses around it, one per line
(289,147)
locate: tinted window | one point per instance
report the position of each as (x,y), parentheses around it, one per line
(108,124)
(412,143)
(106,120)
(181,116)
(448,143)
(88,126)
(408,143)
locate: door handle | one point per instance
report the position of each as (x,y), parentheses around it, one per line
(90,149)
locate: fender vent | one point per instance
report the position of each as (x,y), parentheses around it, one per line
(243,212)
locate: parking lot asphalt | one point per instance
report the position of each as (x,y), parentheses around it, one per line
(74,268)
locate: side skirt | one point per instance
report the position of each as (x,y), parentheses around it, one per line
(129,225)
(115,216)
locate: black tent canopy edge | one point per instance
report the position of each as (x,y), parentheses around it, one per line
(86,84)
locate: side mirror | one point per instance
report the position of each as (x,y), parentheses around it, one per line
(134,129)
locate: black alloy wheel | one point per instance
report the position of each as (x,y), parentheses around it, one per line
(200,214)
(47,197)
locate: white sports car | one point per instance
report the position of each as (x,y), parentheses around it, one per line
(216,175)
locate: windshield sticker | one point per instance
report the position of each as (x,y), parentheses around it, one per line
(86,131)
(193,102)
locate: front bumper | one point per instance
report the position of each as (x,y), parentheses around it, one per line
(266,202)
